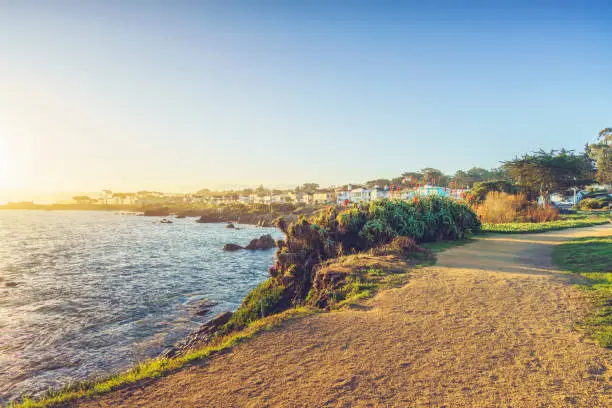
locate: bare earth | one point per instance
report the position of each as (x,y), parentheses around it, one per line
(490,325)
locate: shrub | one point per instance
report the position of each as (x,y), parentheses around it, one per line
(539,214)
(335,232)
(499,207)
(593,203)
(399,246)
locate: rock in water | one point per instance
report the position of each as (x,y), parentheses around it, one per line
(231,247)
(157,212)
(264,242)
(230,225)
(202,306)
(199,337)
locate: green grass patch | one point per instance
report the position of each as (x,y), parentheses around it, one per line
(262,301)
(528,227)
(591,258)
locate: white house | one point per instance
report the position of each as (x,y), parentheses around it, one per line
(323,197)
(360,195)
(379,193)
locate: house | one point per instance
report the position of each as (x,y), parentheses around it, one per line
(324,197)
(343,196)
(379,193)
(245,199)
(123,199)
(296,197)
(360,195)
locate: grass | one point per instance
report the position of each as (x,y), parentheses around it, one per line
(528,227)
(591,258)
(157,367)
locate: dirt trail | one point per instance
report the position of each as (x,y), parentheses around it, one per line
(488,326)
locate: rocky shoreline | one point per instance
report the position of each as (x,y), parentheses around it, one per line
(199,337)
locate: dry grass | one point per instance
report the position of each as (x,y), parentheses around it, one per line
(500,208)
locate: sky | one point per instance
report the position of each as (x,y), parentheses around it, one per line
(181,95)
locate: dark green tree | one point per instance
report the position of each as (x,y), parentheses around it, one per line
(308,188)
(601,154)
(544,173)
(377,182)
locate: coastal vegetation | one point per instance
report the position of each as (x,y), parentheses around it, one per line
(591,259)
(394,227)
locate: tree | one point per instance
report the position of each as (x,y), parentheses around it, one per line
(431,175)
(377,182)
(412,177)
(308,188)
(544,173)
(82,199)
(462,179)
(601,154)
(261,191)
(482,188)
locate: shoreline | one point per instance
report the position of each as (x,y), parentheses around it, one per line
(251,271)
(167,368)
(159,366)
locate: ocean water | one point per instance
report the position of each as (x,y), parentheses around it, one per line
(84,294)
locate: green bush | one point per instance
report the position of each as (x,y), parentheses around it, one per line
(332,233)
(266,299)
(594,203)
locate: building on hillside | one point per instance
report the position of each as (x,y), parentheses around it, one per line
(343,196)
(436,190)
(324,197)
(245,200)
(123,199)
(360,195)
(378,193)
(296,197)
(308,199)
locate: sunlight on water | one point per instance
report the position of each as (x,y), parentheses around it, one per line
(88,293)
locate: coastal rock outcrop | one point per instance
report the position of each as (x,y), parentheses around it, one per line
(199,337)
(207,219)
(230,225)
(201,307)
(263,242)
(232,247)
(157,212)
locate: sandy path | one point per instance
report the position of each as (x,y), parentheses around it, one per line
(489,325)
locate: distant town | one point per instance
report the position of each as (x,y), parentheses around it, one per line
(343,195)
(427,181)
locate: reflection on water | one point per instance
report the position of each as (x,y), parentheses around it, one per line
(87,293)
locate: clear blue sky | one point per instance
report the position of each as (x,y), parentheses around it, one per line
(181,95)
